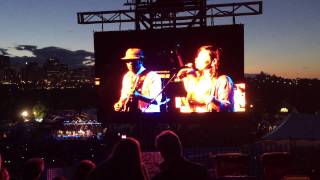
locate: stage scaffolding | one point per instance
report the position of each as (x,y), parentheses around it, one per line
(161,14)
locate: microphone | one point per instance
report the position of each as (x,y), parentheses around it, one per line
(187,69)
(188,65)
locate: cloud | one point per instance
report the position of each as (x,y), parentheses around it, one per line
(2,51)
(19,51)
(26,47)
(89,58)
(20,54)
(88,62)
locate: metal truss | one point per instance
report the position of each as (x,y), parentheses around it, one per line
(148,15)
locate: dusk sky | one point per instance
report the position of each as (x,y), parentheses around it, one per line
(284,40)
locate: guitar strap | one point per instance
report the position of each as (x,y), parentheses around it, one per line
(141,79)
(134,103)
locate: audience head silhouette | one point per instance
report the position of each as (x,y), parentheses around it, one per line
(4,174)
(124,163)
(175,166)
(127,151)
(83,170)
(0,161)
(169,145)
(60,178)
(33,169)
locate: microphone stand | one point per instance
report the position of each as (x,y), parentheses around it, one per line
(163,88)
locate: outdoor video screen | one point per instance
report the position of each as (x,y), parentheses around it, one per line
(175,70)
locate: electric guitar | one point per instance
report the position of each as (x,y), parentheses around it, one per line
(128,104)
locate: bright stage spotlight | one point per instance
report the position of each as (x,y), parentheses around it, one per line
(24,113)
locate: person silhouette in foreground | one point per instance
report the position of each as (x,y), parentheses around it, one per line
(83,170)
(0,161)
(4,174)
(33,169)
(175,166)
(124,163)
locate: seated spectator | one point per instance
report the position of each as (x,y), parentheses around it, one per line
(0,161)
(83,170)
(33,169)
(124,163)
(59,178)
(175,166)
(4,174)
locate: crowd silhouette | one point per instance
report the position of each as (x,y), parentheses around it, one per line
(175,166)
(124,163)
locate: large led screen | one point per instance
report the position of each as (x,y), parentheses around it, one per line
(174,70)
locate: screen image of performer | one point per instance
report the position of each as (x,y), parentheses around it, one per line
(207,91)
(141,89)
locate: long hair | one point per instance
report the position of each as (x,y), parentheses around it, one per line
(126,155)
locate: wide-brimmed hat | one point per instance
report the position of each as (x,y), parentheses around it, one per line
(133,54)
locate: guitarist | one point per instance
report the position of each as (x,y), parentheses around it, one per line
(139,86)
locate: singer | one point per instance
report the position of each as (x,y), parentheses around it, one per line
(206,90)
(139,86)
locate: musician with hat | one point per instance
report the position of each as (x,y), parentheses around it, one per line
(141,89)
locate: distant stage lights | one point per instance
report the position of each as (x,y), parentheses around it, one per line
(39,120)
(24,113)
(97,81)
(284,110)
